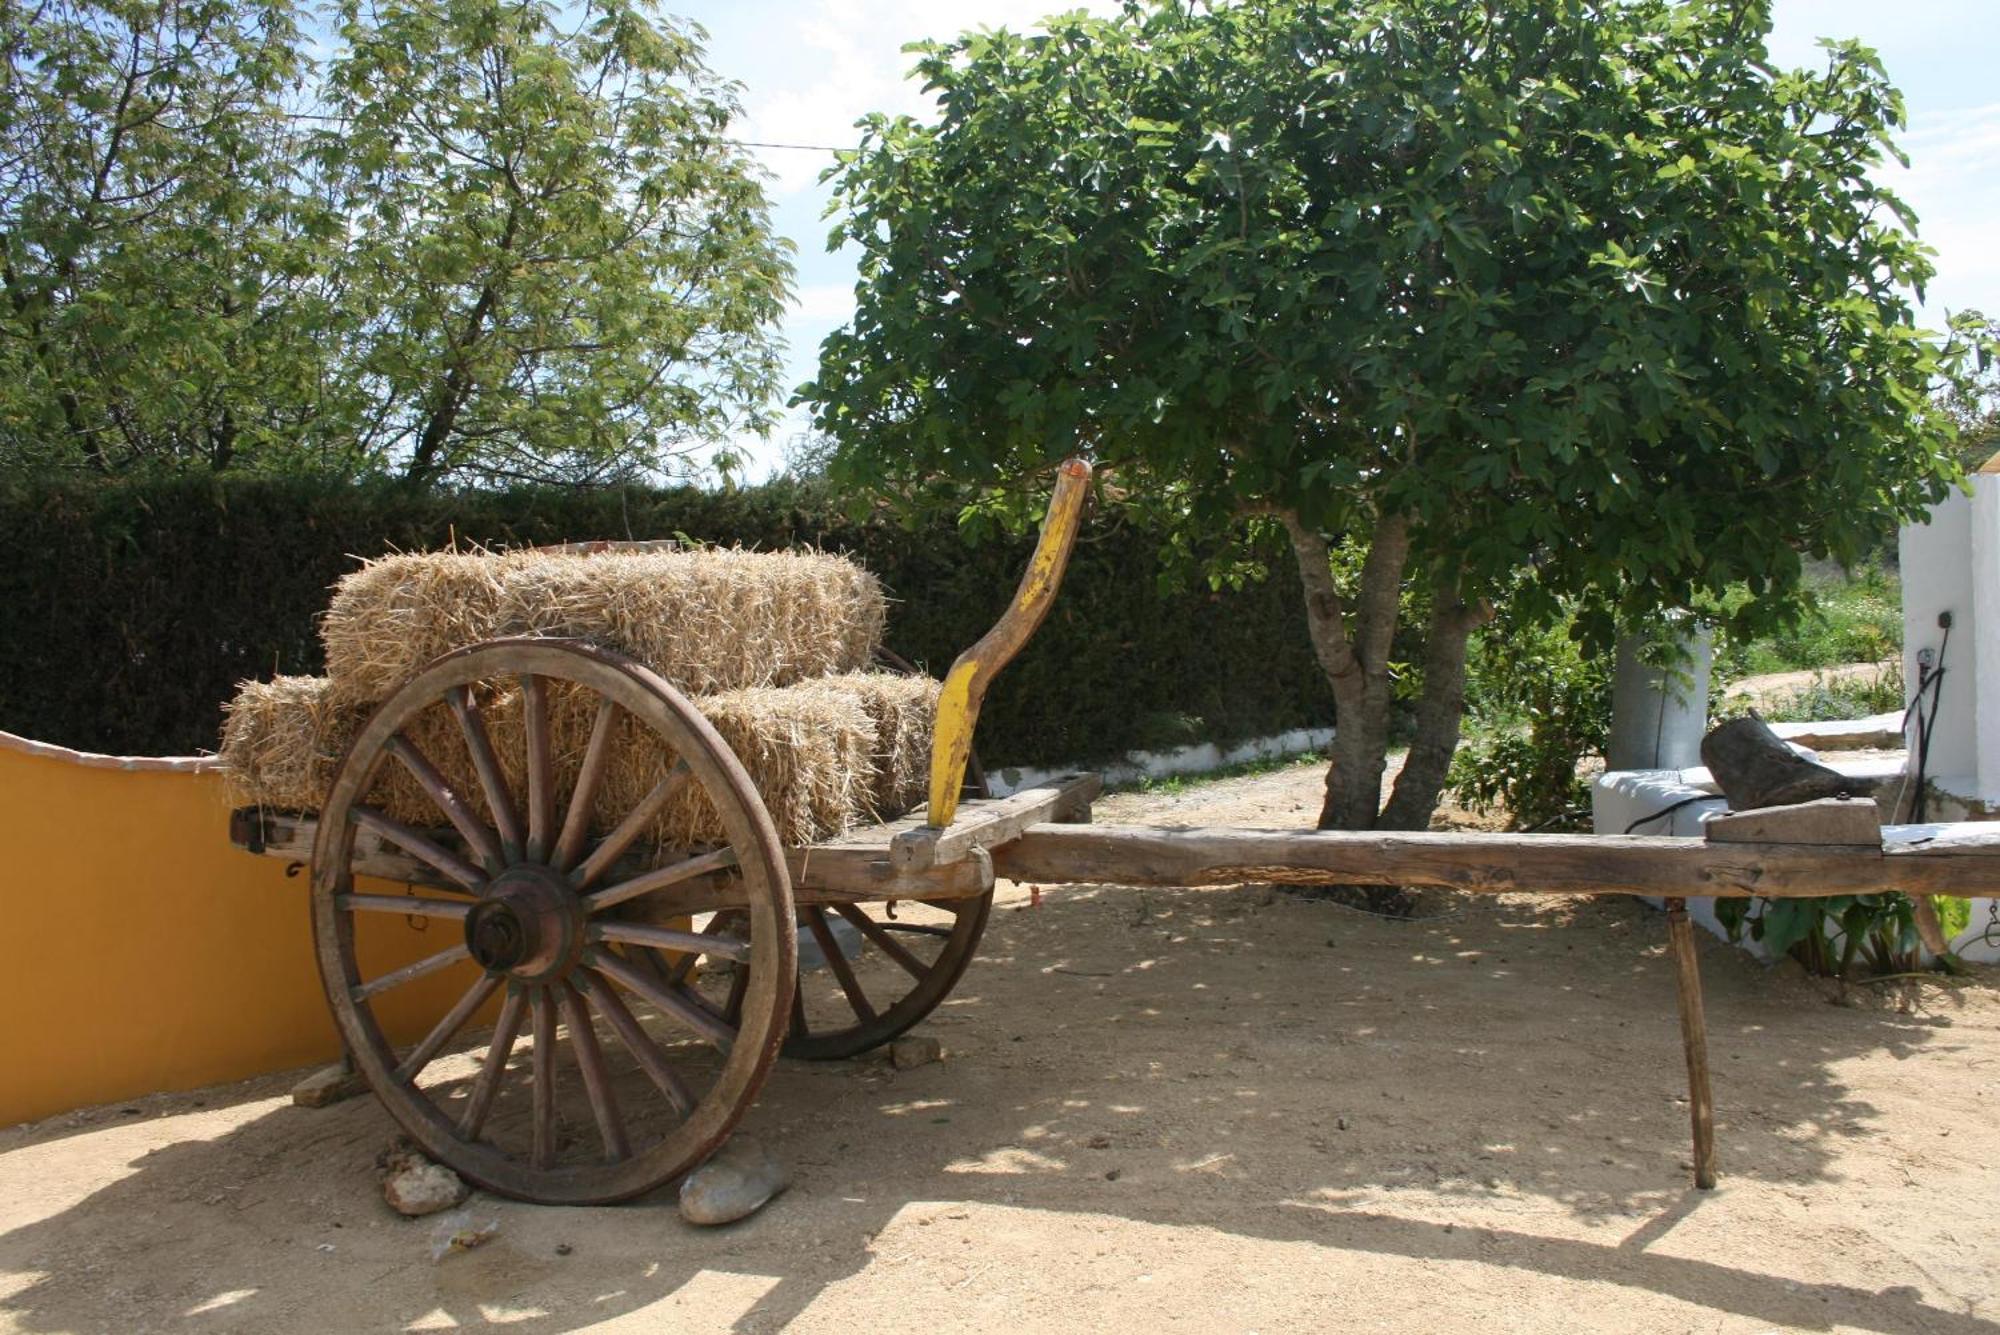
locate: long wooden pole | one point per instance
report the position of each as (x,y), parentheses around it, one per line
(1495,863)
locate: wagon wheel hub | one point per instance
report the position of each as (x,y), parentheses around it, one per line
(529,925)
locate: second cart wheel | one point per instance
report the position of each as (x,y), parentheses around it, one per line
(536,887)
(905,966)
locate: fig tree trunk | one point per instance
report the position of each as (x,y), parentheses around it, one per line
(1353,645)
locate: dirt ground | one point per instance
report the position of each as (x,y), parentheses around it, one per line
(1216,1110)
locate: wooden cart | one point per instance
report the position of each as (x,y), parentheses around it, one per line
(691,961)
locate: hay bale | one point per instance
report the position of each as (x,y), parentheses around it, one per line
(902,710)
(826,755)
(709,621)
(283,739)
(809,750)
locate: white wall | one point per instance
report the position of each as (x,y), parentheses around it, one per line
(1937,566)
(1199,759)
(1982,637)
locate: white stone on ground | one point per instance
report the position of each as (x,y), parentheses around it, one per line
(415,1186)
(913,1050)
(740,1179)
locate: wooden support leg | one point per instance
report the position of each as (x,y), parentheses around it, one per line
(1694,1040)
(330,1085)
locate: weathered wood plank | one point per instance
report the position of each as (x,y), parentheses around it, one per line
(1828,820)
(990,822)
(1496,863)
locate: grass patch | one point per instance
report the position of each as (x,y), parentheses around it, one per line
(1172,785)
(1849,697)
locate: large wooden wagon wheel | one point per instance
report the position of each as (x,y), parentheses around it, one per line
(542,930)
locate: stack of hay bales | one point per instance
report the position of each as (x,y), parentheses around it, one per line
(774,647)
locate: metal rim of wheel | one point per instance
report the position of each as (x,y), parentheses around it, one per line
(533,890)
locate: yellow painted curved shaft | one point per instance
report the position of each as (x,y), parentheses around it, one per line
(965,685)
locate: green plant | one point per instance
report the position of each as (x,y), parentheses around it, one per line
(1830,936)
(1581,300)
(1539,704)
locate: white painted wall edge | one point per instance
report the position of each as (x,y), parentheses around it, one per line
(158,764)
(1136,765)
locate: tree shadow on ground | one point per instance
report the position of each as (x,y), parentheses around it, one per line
(1233,1060)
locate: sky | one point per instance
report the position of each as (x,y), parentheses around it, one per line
(811,68)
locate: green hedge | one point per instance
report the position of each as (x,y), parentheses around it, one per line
(129,611)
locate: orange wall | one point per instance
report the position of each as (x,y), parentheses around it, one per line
(140,950)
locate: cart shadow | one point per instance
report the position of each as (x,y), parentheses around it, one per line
(1234,1060)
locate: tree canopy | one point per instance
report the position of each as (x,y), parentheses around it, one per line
(475,239)
(1579,300)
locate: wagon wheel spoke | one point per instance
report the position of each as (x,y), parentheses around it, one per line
(541,767)
(652,1060)
(505,1030)
(915,928)
(649,961)
(404,905)
(692,945)
(596,757)
(454,1020)
(418,844)
(739,985)
(596,1078)
(882,941)
(729,947)
(799,1029)
(671,1003)
(836,959)
(492,780)
(659,879)
(673,976)
(613,845)
(544,1078)
(430,964)
(470,828)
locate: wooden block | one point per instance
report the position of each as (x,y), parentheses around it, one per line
(1828,820)
(329,1085)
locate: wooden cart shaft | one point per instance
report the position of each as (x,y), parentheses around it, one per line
(1966,862)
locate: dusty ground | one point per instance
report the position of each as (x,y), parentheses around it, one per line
(1189,1110)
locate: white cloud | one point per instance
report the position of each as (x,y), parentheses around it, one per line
(1953,185)
(823,303)
(850,54)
